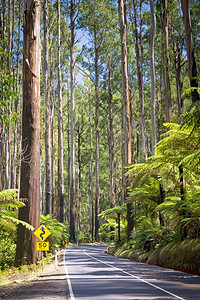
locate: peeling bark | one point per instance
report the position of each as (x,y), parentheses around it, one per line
(30,168)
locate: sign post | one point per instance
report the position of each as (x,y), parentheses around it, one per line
(42,233)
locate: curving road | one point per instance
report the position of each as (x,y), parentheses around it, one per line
(94,275)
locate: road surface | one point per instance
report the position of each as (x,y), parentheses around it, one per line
(94,275)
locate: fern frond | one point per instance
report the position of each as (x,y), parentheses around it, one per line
(6,224)
(8,194)
(11,203)
(113,212)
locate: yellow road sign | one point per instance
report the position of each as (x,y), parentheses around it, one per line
(42,246)
(42,233)
(92,239)
(64,242)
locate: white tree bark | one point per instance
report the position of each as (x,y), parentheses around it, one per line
(48,206)
(72,156)
(152,69)
(60,130)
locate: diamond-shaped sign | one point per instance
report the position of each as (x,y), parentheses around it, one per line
(42,233)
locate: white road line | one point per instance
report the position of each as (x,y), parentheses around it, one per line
(151,284)
(68,280)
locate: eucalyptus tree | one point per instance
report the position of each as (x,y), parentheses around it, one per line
(95,17)
(48,206)
(83,151)
(30,165)
(139,60)
(6,89)
(166,59)
(52,96)
(17,106)
(125,105)
(177,38)
(190,50)
(111,136)
(153,79)
(60,125)
(91,190)
(72,156)
(8,129)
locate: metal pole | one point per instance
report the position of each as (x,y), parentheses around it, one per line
(42,262)
(56,259)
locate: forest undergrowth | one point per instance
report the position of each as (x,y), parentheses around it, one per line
(181,256)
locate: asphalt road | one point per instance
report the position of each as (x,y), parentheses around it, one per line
(94,275)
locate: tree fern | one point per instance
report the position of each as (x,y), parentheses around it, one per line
(8,218)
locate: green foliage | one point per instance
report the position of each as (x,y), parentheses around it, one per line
(182,256)
(82,237)
(8,218)
(8,229)
(113,212)
(107,230)
(8,95)
(156,193)
(192,118)
(59,231)
(7,249)
(147,235)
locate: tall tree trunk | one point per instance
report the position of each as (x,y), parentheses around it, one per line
(10,37)
(60,131)
(140,85)
(183,207)
(48,206)
(126,104)
(79,178)
(153,79)
(91,168)
(161,200)
(16,130)
(53,184)
(167,84)
(177,49)
(190,50)
(118,223)
(68,154)
(72,160)
(111,139)
(7,159)
(8,128)
(132,127)
(30,169)
(52,134)
(97,209)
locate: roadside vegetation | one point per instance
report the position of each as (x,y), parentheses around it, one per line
(164,192)
(9,205)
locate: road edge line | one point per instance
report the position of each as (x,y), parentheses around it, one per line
(136,277)
(68,279)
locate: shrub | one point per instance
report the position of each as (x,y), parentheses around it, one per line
(82,237)
(59,232)
(7,249)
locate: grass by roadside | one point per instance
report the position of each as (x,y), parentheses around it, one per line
(181,256)
(33,282)
(25,273)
